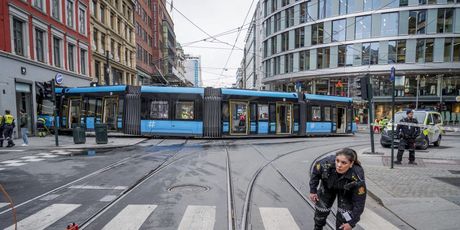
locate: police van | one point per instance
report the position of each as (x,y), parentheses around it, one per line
(431,129)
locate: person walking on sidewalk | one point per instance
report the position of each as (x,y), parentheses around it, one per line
(8,121)
(24,129)
(407,135)
(340,175)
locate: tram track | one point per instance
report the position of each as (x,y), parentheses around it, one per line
(246,208)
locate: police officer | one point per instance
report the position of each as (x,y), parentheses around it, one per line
(8,121)
(341,176)
(407,135)
(1,131)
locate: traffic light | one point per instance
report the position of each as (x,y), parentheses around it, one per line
(364,88)
(47,90)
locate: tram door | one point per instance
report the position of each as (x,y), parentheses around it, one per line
(341,119)
(284,118)
(110,112)
(74,112)
(239,121)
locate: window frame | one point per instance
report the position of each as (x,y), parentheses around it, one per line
(41,8)
(83,60)
(71,56)
(163,102)
(85,24)
(37,25)
(176,110)
(73,16)
(60,36)
(312,113)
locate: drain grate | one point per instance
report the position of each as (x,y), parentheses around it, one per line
(188,188)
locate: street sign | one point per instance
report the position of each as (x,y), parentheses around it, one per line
(58,78)
(457,98)
(392,73)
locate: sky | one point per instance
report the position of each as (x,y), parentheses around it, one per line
(213,17)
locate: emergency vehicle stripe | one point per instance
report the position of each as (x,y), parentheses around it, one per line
(277,219)
(198,218)
(45,217)
(131,217)
(3,205)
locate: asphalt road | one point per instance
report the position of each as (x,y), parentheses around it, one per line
(169,184)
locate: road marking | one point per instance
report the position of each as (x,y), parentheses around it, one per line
(45,217)
(46,155)
(15,164)
(371,220)
(12,150)
(11,162)
(34,160)
(50,197)
(108,198)
(277,219)
(2,169)
(98,187)
(29,157)
(131,217)
(439,161)
(4,205)
(198,218)
(60,152)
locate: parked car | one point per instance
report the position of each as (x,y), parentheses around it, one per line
(431,134)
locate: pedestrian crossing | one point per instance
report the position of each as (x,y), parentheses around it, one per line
(195,217)
(27,160)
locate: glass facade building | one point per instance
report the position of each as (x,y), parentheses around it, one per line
(323,46)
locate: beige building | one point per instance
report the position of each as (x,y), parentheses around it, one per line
(113,42)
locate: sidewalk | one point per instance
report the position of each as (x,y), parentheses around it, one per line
(66,142)
(425,196)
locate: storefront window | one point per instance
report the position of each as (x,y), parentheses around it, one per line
(322,87)
(382,86)
(451,85)
(428,85)
(410,86)
(339,87)
(307,87)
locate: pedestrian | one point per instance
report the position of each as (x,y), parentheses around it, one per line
(8,127)
(1,130)
(407,135)
(24,128)
(376,125)
(341,176)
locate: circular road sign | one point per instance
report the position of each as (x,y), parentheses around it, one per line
(457,98)
(58,78)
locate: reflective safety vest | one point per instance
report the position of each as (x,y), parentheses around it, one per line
(9,119)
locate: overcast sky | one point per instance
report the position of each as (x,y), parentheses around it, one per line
(214,17)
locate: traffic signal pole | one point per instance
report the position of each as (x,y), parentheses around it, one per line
(393,89)
(371,117)
(55,111)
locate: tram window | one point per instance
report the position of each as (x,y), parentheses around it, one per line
(327,113)
(184,110)
(225,115)
(159,110)
(121,105)
(316,113)
(145,108)
(263,112)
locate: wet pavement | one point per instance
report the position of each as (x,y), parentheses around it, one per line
(174,184)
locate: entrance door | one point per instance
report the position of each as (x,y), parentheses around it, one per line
(24,102)
(239,121)
(74,112)
(284,118)
(110,112)
(341,120)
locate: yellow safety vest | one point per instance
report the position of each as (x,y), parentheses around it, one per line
(9,119)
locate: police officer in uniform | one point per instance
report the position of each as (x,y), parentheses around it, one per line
(1,130)
(341,176)
(8,121)
(407,135)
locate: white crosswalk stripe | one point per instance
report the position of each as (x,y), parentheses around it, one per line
(277,219)
(4,205)
(198,218)
(45,217)
(130,218)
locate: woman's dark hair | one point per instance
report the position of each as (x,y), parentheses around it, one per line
(350,154)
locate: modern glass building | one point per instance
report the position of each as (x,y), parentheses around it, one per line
(323,46)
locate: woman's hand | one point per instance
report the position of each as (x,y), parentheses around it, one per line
(345,226)
(314,197)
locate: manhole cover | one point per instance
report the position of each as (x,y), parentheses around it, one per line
(188,188)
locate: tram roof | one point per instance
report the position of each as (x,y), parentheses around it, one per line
(162,89)
(253,93)
(98,89)
(327,98)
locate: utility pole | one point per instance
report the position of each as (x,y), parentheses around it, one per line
(392,78)
(55,112)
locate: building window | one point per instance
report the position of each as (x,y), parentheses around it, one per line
(304,60)
(448,49)
(284,41)
(93,7)
(95,38)
(317,33)
(70,13)
(284,3)
(40,4)
(82,20)
(323,58)
(56,10)
(350,55)
(102,48)
(83,61)
(159,110)
(363,27)
(366,50)
(401,51)
(445,19)
(343,6)
(289,63)
(39,45)
(102,14)
(403,2)
(389,24)
(429,47)
(303,12)
(57,51)
(325,9)
(289,17)
(420,51)
(391,52)
(276,65)
(342,54)
(274,5)
(300,37)
(374,58)
(71,56)
(277,21)
(184,110)
(338,30)
(18,37)
(417,22)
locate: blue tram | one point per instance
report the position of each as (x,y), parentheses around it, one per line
(203,112)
